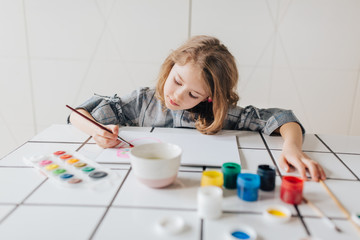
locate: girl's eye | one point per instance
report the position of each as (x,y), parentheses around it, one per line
(177,82)
(192,96)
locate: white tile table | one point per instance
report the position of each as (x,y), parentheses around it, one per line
(33,207)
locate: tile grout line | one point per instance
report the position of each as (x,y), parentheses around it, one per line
(13,151)
(34,190)
(92,57)
(31,141)
(113,39)
(293,80)
(9,213)
(28,58)
(190,19)
(83,144)
(337,157)
(156,208)
(108,207)
(22,202)
(274,51)
(278,170)
(302,220)
(271,156)
(7,127)
(356,96)
(63,205)
(201,229)
(238,147)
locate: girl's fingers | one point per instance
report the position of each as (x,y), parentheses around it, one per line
(283,164)
(300,166)
(313,169)
(302,163)
(286,164)
(114,129)
(105,142)
(113,134)
(322,172)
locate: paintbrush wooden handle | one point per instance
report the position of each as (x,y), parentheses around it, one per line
(338,203)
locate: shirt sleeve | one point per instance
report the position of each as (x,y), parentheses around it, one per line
(122,111)
(264,120)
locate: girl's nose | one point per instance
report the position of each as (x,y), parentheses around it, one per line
(179,94)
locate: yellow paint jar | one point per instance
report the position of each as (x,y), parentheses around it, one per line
(212,178)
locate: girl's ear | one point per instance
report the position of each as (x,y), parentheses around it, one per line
(208,99)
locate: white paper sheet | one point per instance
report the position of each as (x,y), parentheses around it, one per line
(198,149)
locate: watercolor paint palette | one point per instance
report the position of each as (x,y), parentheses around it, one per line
(71,169)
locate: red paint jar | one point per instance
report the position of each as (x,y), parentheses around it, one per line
(291,189)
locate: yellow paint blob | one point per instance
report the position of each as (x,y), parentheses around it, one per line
(276,213)
(51,167)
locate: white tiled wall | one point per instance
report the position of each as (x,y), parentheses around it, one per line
(297,54)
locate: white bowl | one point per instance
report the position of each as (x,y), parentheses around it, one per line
(156,164)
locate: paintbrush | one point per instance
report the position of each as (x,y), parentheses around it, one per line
(97,124)
(338,203)
(325,218)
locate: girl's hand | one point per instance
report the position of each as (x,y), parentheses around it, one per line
(105,139)
(292,156)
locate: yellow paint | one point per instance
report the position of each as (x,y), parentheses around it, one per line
(276,213)
(51,167)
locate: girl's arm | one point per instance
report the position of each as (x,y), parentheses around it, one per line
(102,138)
(292,154)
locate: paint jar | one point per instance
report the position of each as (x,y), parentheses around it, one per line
(212,178)
(209,199)
(291,189)
(230,171)
(248,186)
(267,177)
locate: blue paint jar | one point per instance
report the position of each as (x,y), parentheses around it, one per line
(267,177)
(248,186)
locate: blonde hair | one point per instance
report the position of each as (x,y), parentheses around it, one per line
(219,73)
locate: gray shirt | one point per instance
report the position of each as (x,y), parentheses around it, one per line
(142,108)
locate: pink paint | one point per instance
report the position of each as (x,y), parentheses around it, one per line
(123,152)
(44,163)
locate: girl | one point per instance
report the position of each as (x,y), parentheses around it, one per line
(196,88)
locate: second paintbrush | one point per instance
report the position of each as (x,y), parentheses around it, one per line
(325,218)
(97,124)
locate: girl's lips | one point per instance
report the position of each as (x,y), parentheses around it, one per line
(173,103)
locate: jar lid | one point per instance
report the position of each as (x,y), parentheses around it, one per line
(170,225)
(266,170)
(292,182)
(212,178)
(231,168)
(249,180)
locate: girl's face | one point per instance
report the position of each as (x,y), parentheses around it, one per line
(184,87)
